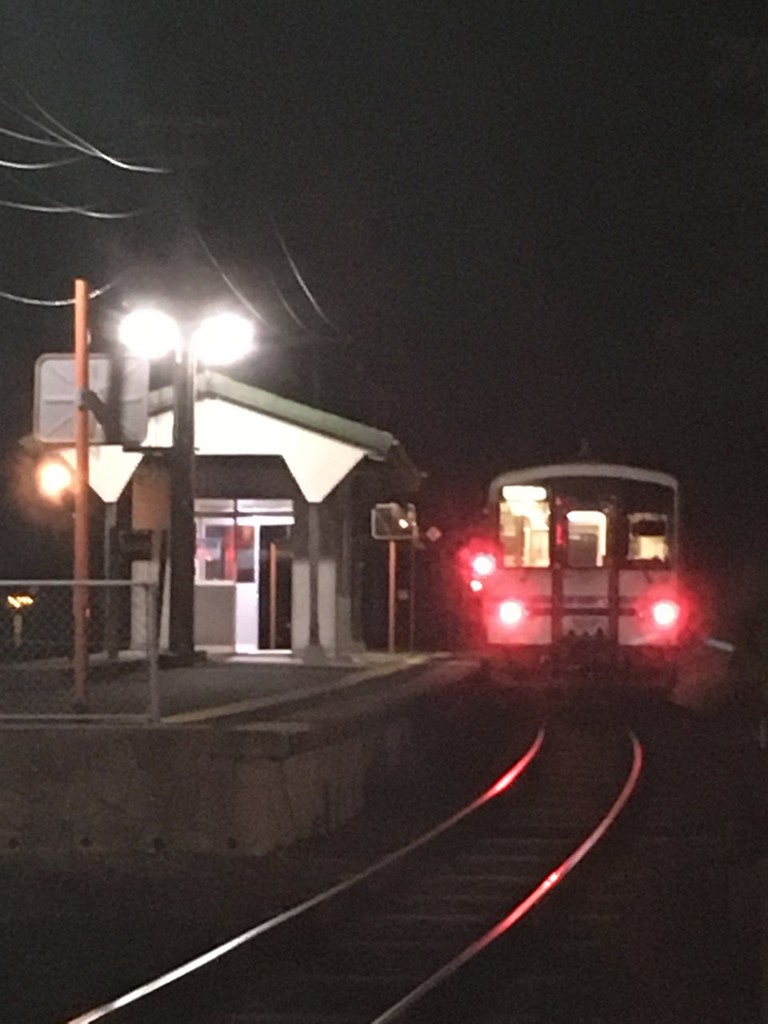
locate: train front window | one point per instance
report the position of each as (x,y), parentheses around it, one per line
(648,539)
(524,526)
(587,538)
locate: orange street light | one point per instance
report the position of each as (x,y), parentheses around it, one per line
(54,478)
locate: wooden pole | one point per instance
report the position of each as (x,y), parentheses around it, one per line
(80,595)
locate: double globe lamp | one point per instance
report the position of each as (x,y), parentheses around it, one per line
(217,340)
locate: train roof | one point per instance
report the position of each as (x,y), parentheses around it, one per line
(536,474)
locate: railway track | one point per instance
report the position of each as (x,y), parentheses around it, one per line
(424,925)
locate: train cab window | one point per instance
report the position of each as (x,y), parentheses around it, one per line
(587,538)
(648,539)
(524,526)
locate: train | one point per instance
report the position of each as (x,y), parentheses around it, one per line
(576,569)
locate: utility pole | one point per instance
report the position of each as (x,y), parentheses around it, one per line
(182,207)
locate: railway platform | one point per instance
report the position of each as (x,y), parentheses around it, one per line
(248,755)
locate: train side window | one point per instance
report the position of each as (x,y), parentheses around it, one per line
(587,538)
(524,526)
(648,539)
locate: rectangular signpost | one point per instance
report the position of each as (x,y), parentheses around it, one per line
(81,567)
(394,523)
(83,399)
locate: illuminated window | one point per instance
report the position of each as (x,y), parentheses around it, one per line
(648,537)
(524,526)
(587,535)
(215,551)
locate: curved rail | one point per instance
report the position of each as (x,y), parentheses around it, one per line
(498,787)
(396,1011)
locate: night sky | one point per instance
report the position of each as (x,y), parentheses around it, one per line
(518,224)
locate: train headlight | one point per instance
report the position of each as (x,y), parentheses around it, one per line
(665,613)
(511,613)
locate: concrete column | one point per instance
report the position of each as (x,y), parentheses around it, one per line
(311,607)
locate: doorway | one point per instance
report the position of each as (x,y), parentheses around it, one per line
(243,574)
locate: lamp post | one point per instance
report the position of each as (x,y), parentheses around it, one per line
(219,340)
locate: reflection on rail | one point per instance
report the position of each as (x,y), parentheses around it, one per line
(499,786)
(548,883)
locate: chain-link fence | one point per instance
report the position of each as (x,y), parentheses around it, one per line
(37,649)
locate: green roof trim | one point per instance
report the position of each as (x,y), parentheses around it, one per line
(377,444)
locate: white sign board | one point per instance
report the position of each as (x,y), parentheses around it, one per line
(55,402)
(109,468)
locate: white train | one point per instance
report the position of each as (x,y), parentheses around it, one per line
(577,566)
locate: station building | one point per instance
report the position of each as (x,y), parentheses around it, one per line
(265,466)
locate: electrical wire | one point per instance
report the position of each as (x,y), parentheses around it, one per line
(229,283)
(285,304)
(55,205)
(19,166)
(61,136)
(82,211)
(78,142)
(28,301)
(297,275)
(11,134)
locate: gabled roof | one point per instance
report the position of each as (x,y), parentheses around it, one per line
(377,444)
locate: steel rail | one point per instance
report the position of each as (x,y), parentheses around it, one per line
(396,1011)
(498,787)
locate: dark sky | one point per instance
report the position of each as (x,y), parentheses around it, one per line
(525,223)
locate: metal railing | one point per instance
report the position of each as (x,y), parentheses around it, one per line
(37,677)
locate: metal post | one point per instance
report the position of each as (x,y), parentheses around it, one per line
(412,602)
(152,651)
(183,539)
(392,617)
(272,595)
(110,604)
(81,568)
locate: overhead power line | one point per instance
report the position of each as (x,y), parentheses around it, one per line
(16,165)
(59,135)
(27,300)
(229,282)
(11,134)
(66,135)
(297,275)
(82,211)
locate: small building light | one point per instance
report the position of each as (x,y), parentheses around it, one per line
(392,521)
(54,478)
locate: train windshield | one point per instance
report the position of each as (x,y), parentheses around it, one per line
(524,526)
(648,538)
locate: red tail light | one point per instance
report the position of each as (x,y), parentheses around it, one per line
(665,613)
(484,565)
(511,613)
